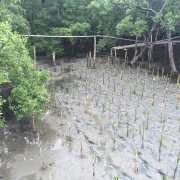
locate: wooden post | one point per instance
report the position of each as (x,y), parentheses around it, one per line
(94,51)
(125,58)
(111,56)
(90,58)
(54,60)
(115,55)
(87,60)
(35,53)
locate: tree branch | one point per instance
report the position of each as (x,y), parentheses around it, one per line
(122,6)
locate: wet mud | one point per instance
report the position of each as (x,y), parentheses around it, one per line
(100,120)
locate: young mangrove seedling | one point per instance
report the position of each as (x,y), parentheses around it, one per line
(121,75)
(114,87)
(103,77)
(153,98)
(166,177)
(137,79)
(130,94)
(162,73)
(177,164)
(142,134)
(114,124)
(50,171)
(136,111)
(137,162)
(138,93)
(112,97)
(81,148)
(93,164)
(122,90)
(127,127)
(85,102)
(161,109)
(79,91)
(69,125)
(116,178)
(119,116)
(109,104)
(126,107)
(160,146)
(101,122)
(147,119)
(40,150)
(152,72)
(61,112)
(161,137)
(142,93)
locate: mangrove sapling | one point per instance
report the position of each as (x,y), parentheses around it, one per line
(160,139)
(93,164)
(152,72)
(157,75)
(121,75)
(161,109)
(166,177)
(136,111)
(165,95)
(50,170)
(122,90)
(142,93)
(137,162)
(138,93)
(153,98)
(114,124)
(142,135)
(85,103)
(149,68)
(114,87)
(126,107)
(147,119)
(177,164)
(40,150)
(116,178)
(101,123)
(61,112)
(69,127)
(137,79)
(112,97)
(103,103)
(109,104)
(103,77)
(62,68)
(162,73)
(119,116)
(79,91)
(130,93)
(127,127)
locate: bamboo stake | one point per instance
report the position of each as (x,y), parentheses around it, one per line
(94,51)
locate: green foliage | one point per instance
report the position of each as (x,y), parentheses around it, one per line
(27,86)
(12,12)
(130,27)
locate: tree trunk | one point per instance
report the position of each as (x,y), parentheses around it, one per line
(146,43)
(139,55)
(170,50)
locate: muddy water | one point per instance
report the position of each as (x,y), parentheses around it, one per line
(71,143)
